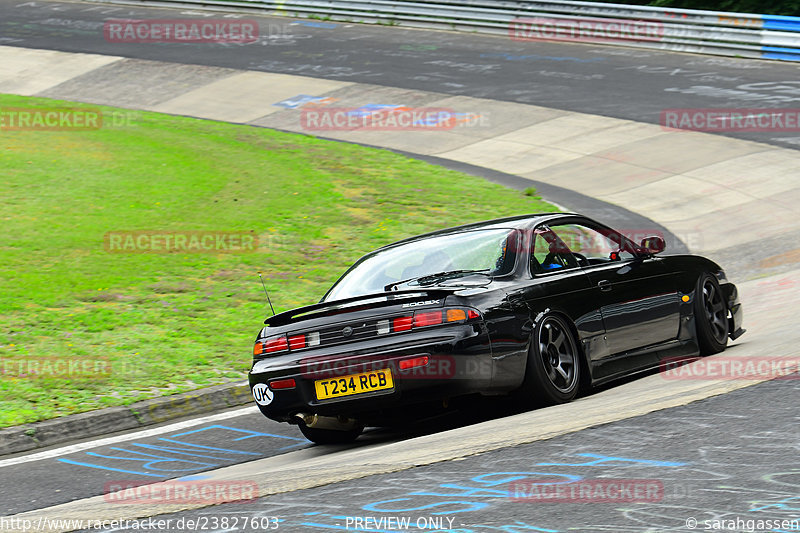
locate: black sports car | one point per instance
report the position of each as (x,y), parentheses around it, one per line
(538,306)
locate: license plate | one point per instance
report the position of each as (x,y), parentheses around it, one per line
(354,384)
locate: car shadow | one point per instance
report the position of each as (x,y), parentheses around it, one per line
(466,412)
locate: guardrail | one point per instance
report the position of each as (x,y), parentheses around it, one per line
(681,30)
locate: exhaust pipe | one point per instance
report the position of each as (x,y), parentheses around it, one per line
(336,423)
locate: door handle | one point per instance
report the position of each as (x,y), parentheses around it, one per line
(604,285)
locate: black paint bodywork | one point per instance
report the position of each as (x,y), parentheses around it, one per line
(626,316)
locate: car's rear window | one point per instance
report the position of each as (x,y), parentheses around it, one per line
(490,250)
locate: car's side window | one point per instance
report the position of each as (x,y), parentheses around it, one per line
(549,252)
(594,246)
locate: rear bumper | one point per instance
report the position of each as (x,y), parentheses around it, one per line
(459,364)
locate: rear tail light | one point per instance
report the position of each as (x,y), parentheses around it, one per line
(282,343)
(297,341)
(454,315)
(312,339)
(405,364)
(279,384)
(421,319)
(383,327)
(271,345)
(402,323)
(428,318)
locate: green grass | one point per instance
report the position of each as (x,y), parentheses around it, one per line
(168,323)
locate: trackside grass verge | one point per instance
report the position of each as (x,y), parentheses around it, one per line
(85,324)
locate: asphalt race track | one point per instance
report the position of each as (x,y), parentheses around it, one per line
(716,450)
(184,448)
(716,459)
(609,81)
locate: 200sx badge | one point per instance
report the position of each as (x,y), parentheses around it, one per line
(417,304)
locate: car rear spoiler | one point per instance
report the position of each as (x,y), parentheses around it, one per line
(379,299)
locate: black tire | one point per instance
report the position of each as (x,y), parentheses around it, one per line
(330,436)
(711,315)
(553,370)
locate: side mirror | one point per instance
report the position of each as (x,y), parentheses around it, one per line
(653,244)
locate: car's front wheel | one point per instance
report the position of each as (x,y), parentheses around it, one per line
(330,436)
(711,315)
(553,370)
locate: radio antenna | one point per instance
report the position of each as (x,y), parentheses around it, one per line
(265,292)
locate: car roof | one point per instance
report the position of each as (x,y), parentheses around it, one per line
(515,222)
